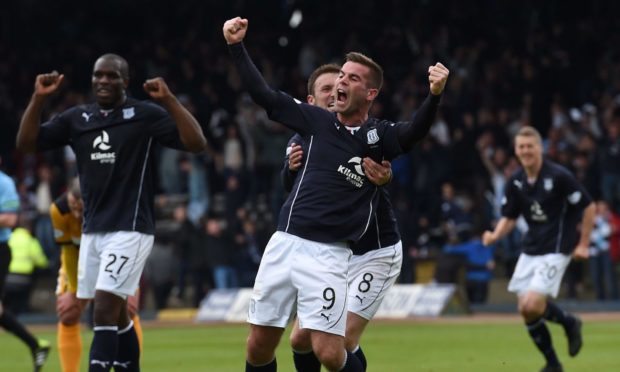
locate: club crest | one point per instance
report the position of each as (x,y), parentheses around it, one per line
(548,184)
(372,137)
(128,113)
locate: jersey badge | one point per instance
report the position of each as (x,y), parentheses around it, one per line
(128,113)
(548,184)
(372,137)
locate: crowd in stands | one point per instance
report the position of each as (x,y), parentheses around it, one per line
(553,65)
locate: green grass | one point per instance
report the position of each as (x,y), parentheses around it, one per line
(425,347)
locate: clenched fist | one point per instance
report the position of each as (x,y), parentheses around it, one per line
(234,30)
(437,77)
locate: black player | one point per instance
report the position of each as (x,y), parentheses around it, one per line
(331,204)
(113,140)
(554,205)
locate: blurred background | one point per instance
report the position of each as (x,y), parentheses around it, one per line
(554,65)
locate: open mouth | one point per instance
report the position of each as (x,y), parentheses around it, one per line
(341,96)
(103,92)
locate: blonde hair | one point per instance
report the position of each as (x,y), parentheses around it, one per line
(528,131)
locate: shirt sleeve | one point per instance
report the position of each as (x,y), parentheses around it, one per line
(510,202)
(55,133)
(575,194)
(280,107)
(288,176)
(420,125)
(9,199)
(163,128)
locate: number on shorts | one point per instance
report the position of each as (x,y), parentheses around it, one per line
(329,295)
(113,260)
(364,285)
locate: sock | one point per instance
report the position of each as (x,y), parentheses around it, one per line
(554,314)
(128,357)
(352,364)
(306,362)
(11,324)
(69,347)
(269,367)
(542,338)
(137,326)
(359,353)
(103,349)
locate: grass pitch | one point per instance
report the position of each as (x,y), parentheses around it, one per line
(433,346)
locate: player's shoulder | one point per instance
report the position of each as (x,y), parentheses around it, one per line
(555,170)
(74,112)
(6,181)
(146,108)
(517,178)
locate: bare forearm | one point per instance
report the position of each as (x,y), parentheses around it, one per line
(29,125)
(8,219)
(189,129)
(504,226)
(587,223)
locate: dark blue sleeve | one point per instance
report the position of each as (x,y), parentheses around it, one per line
(510,202)
(162,127)
(575,194)
(413,132)
(280,107)
(287,176)
(56,132)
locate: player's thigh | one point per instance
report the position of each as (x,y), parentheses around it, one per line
(320,276)
(123,256)
(548,274)
(88,265)
(370,277)
(541,274)
(273,296)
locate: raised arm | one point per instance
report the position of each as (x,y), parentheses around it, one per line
(45,84)
(409,135)
(234,33)
(189,130)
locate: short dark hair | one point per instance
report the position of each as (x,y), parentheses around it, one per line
(330,68)
(375,80)
(123,65)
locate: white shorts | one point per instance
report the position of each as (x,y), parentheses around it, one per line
(112,262)
(370,277)
(311,275)
(540,274)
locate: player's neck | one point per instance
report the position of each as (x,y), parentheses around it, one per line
(533,171)
(354,119)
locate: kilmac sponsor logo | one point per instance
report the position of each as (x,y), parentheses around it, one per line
(101,142)
(354,177)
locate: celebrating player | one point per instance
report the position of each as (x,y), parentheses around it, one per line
(332,202)
(377,256)
(66,215)
(113,140)
(554,204)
